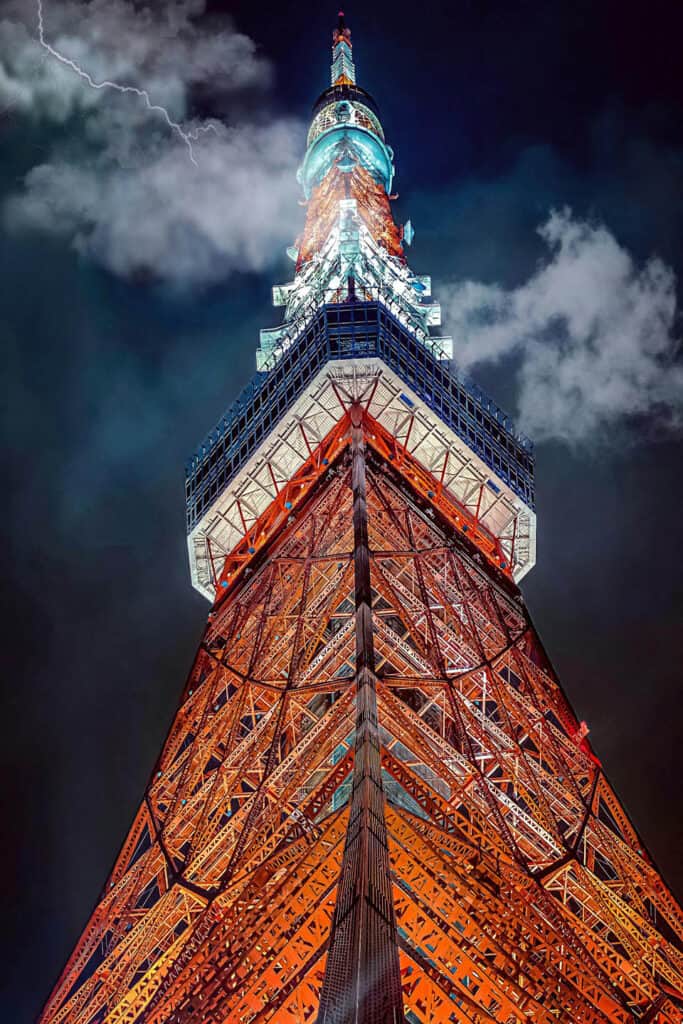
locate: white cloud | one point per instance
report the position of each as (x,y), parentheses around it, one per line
(165,50)
(185,224)
(592,333)
(119,183)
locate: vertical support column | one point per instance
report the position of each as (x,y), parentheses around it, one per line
(362,983)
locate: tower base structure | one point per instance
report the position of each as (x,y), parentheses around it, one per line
(520,890)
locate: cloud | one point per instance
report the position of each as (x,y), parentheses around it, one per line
(165,51)
(591,335)
(164,216)
(119,183)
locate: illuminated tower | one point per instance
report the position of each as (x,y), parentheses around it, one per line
(374,803)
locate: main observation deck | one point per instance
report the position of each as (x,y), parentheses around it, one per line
(450,426)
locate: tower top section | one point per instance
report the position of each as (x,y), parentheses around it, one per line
(345,127)
(357,322)
(343,71)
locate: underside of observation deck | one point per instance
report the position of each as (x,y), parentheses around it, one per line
(448,439)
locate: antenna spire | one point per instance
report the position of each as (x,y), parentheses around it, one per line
(343,70)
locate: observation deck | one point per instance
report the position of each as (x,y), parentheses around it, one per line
(453,430)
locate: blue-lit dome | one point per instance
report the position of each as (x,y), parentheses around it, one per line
(345,122)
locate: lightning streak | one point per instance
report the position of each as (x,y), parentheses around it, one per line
(187,137)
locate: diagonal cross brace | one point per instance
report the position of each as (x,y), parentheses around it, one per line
(362,983)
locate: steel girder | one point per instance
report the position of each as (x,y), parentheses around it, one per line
(521,890)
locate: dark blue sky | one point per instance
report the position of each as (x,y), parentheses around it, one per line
(497,113)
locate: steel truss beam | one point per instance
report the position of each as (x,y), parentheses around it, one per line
(520,888)
(362,983)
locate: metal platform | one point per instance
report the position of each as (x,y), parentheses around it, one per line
(352,331)
(357,349)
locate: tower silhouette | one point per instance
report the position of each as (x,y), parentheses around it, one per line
(374,804)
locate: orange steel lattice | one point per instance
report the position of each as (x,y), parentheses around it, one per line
(374,207)
(520,889)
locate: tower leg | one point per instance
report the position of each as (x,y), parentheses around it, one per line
(362,983)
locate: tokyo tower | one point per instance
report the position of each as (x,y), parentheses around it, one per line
(375,804)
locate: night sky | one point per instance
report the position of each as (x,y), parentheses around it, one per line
(498,113)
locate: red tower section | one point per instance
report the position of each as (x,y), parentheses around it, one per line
(375,803)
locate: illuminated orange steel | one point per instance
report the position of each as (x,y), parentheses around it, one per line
(294,492)
(521,890)
(374,208)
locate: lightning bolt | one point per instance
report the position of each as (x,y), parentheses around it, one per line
(187,137)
